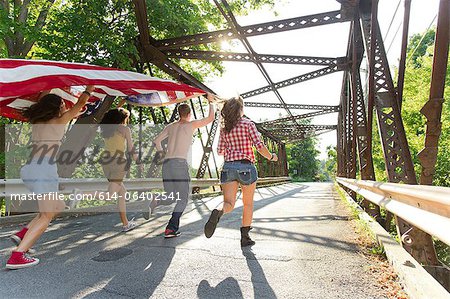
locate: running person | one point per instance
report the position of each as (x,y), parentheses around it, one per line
(237,137)
(48,117)
(114,163)
(175,169)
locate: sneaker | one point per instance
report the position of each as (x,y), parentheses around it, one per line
(130,226)
(17,238)
(19,260)
(211,225)
(170,233)
(151,209)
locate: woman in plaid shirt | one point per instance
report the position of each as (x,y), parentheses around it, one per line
(237,138)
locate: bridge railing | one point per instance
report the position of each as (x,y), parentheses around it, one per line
(68,186)
(426,207)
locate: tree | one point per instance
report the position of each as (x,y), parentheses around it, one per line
(104,31)
(21,25)
(302,159)
(331,162)
(418,45)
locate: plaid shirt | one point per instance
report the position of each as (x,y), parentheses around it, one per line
(238,144)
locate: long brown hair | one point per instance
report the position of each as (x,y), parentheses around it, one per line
(231,113)
(111,118)
(44,110)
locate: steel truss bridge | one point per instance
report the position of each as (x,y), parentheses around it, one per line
(354,127)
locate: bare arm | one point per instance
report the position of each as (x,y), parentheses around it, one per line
(82,100)
(259,144)
(267,154)
(130,146)
(204,121)
(163,135)
(121,102)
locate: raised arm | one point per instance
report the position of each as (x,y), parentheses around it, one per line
(82,100)
(163,135)
(204,121)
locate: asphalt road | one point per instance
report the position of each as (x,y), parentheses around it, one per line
(304,249)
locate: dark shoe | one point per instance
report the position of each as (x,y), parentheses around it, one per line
(211,225)
(245,238)
(170,233)
(150,210)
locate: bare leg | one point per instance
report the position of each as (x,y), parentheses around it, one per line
(33,222)
(248,191)
(229,196)
(120,189)
(49,209)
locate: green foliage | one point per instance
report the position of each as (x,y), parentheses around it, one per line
(416,94)
(417,50)
(303,161)
(330,166)
(21,25)
(104,32)
(98,32)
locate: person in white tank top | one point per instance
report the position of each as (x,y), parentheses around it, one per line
(176,178)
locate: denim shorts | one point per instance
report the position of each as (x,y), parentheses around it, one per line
(244,173)
(40,176)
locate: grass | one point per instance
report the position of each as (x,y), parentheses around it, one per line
(367,238)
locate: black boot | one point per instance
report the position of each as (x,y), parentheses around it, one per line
(211,225)
(245,238)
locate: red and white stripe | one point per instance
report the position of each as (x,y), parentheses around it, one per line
(22,81)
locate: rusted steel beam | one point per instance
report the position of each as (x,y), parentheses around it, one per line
(366,168)
(365,156)
(199,131)
(207,149)
(228,14)
(149,53)
(297,117)
(402,64)
(291,81)
(371,79)
(213,156)
(340,159)
(399,166)
(309,134)
(433,108)
(330,17)
(291,106)
(246,57)
(352,97)
(289,128)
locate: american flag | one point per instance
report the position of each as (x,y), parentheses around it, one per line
(22,82)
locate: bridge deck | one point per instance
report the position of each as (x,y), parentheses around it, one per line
(305,249)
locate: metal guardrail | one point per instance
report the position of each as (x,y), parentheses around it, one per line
(426,207)
(68,186)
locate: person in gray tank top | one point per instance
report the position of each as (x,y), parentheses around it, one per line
(175,169)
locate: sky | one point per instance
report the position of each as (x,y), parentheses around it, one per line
(326,40)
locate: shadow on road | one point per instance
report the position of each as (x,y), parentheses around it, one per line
(66,244)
